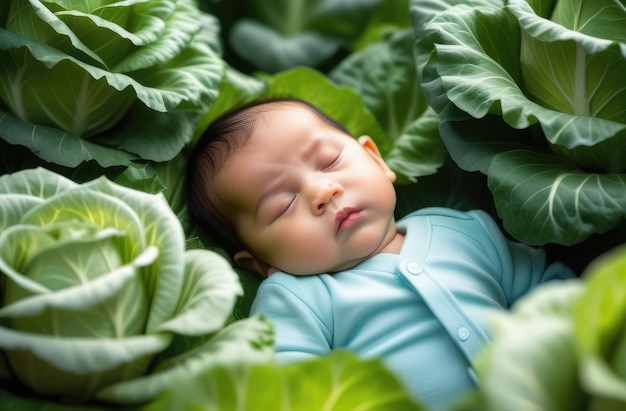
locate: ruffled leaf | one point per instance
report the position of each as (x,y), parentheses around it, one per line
(210,289)
(248,341)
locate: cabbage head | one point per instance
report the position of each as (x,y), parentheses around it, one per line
(532,94)
(100,300)
(77,67)
(562,346)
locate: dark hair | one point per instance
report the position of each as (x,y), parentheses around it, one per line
(225,135)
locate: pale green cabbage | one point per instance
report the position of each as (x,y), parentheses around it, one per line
(99,298)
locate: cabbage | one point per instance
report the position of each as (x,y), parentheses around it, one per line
(100,300)
(383,74)
(71,70)
(337,381)
(561,347)
(531,93)
(283,34)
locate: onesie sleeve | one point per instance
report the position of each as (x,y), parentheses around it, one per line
(522,266)
(300,310)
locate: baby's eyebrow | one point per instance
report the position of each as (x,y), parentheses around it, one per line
(272,188)
(311,148)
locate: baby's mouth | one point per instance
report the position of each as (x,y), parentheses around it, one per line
(346,218)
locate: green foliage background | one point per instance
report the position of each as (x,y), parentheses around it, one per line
(450,90)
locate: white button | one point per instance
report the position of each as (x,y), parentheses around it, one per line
(414,267)
(463,333)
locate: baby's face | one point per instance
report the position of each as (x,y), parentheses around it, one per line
(307,198)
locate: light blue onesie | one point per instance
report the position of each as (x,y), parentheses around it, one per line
(424,311)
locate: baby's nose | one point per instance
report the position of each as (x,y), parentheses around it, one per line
(323,195)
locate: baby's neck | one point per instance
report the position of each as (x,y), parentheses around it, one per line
(395,245)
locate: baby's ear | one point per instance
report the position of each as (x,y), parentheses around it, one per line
(368,144)
(248,261)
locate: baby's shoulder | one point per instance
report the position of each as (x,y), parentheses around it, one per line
(474,225)
(444,214)
(286,290)
(296,284)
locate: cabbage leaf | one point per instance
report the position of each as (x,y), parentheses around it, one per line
(70,96)
(487,78)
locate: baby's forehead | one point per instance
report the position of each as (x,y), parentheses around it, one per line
(265,110)
(278,138)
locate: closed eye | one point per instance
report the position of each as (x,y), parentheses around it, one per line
(333,163)
(284,210)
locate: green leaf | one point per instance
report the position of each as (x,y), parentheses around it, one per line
(210,288)
(243,342)
(287,17)
(280,35)
(36,183)
(480,68)
(142,177)
(51,56)
(39,22)
(473,143)
(167,28)
(48,87)
(45,86)
(189,80)
(13,400)
(150,135)
(100,209)
(210,32)
(163,279)
(599,318)
(381,17)
(581,79)
(423,11)
(113,304)
(292,17)
(250,283)
(25,248)
(384,75)
(96,305)
(597,20)
(270,51)
(166,177)
(486,64)
(339,381)
(516,375)
(13,206)
(171,175)
(91,29)
(542,199)
(77,366)
(419,151)
(450,187)
(57,146)
(235,88)
(472,78)
(14,255)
